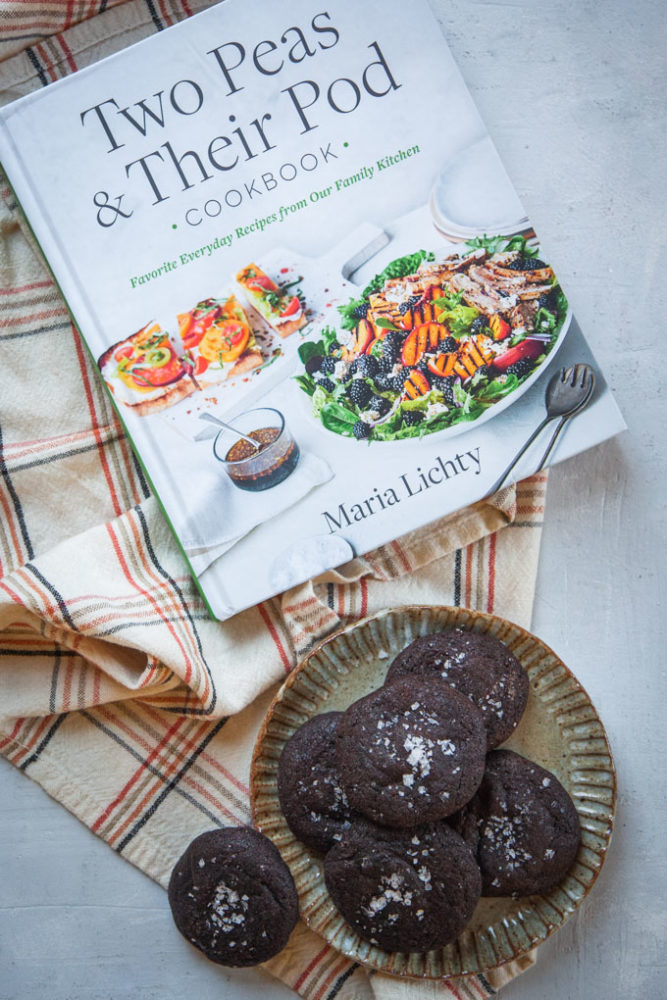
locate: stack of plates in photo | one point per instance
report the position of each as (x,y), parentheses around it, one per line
(473,195)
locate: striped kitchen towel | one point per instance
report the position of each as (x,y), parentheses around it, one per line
(117,693)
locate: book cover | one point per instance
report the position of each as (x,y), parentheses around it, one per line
(318,304)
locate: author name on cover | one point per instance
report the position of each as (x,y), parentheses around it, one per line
(407,486)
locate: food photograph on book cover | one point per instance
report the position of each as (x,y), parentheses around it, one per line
(326,324)
(438,340)
(434,342)
(431,343)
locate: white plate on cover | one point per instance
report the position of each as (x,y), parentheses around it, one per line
(473,195)
(560,730)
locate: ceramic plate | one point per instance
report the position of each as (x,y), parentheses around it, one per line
(473,195)
(560,730)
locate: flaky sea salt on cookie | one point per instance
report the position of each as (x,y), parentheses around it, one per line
(311,795)
(478,665)
(403,890)
(410,752)
(521,825)
(233,897)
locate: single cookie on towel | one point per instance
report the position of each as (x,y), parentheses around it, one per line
(233,897)
(411,752)
(403,890)
(311,796)
(521,825)
(479,666)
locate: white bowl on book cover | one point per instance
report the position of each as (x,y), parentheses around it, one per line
(492,411)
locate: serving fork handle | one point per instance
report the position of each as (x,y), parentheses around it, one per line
(538,430)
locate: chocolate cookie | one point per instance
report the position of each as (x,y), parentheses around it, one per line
(411,752)
(479,666)
(403,890)
(232,896)
(522,826)
(311,796)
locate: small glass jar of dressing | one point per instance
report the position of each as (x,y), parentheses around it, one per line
(264,456)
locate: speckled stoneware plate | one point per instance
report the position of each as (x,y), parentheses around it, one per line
(560,730)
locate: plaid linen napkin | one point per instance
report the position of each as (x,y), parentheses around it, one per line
(117,693)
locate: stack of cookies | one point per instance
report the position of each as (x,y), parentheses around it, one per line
(415,810)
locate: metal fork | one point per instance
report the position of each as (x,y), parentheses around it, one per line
(568,392)
(582,381)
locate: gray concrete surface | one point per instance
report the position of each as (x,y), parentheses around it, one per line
(575,97)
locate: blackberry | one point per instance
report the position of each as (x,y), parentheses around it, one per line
(328,366)
(520,367)
(326,383)
(479,324)
(390,356)
(389,383)
(393,340)
(396,382)
(313,364)
(334,346)
(379,405)
(522,263)
(359,312)
(548,301)
(361,430)
(445,385)
(359,393)
(412,417)
(409,303)
(447,346)
(367,365)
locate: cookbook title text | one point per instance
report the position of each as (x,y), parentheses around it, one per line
(170,168)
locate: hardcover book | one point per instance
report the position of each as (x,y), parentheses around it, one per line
(318,305)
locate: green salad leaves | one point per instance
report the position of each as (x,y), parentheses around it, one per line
(502,244)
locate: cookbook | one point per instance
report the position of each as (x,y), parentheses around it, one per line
(317,302)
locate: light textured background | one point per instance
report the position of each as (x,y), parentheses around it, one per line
(575,97)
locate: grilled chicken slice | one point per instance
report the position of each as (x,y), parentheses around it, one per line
(487,300)
(538,276)
(522,316)
(494,283)
(534,291)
